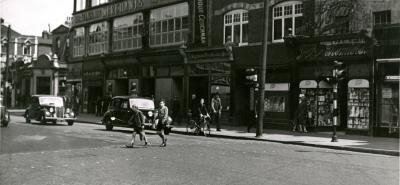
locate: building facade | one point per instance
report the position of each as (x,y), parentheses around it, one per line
(173,49)
(24,51)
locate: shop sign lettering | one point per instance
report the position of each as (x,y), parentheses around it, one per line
(335,48)
(201,22)
(116,8)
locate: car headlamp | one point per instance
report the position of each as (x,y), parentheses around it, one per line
(72,114)
(150,113)
(68,110)
(51,109)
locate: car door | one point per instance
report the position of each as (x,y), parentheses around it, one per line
(34,108)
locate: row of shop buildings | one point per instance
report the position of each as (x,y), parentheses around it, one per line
(171,49)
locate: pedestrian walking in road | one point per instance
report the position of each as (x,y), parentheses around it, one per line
(137,120)
(301,115)
(216,107)
(161,121)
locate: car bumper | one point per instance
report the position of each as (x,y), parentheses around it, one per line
(60,119)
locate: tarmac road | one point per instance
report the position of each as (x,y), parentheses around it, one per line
(87,154)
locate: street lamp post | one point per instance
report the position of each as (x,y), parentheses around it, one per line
(259,131)
(7,69)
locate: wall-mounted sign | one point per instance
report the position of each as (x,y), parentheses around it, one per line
(392,77)
(387,93)
(116,8)
(277,86)
(358,83)
(201,22)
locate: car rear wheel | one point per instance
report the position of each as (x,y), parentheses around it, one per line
(27,118)
(70,123)
(108,124)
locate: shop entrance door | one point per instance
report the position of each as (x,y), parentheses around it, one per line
(93,93)
(121,87)
(199,86)
(148,87)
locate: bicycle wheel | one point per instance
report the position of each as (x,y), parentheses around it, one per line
(206,128)
(190,126)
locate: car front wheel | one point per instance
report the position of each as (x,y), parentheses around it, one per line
(108,124)
(43,120)
(70,123)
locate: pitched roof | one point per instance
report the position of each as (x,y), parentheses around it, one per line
(62,28)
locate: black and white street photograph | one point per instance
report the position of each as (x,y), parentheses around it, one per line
(199,92)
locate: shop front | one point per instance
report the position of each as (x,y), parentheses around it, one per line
(92,85)
(314,68)
(209,73)
(388,102)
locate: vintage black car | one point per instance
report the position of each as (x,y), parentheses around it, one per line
(119,111)
(4,114)
(46,108)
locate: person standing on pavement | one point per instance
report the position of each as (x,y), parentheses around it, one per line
(136,120)
(216,107)
(161,121)
(301,115)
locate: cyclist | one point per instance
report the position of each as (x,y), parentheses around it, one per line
(204,116)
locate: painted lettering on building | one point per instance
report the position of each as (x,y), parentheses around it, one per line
(201,22)
(117,8)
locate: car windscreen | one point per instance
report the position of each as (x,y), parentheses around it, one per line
(142,103)
(52,101)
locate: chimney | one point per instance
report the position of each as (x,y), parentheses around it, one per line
(45,34)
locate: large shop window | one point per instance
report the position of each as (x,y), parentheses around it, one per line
(358,104)
(127,32)
(286,16)
(98,38)
(236,27)
(78,42)
(98,2)
(169,25)
(276,97)
(80,5)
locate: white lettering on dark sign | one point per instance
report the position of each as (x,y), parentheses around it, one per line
(201,16)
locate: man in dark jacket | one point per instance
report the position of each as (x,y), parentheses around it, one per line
(136,121)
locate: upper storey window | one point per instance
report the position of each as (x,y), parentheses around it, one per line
(78,42)
(236,27)
(127,32)
(287,17)
(98,2)
(98,38)
(382,17)
(80,5)
(169,25)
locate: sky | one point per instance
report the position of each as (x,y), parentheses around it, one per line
(31,17)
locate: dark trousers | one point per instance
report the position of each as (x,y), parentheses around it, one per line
(216,120)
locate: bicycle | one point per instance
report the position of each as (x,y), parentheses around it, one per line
(205,121)
(191,125)
(198,127)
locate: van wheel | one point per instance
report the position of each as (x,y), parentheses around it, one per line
(70,123)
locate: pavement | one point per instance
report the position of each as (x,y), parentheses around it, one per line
(357,143)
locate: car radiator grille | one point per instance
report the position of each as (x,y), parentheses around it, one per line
(60,112)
